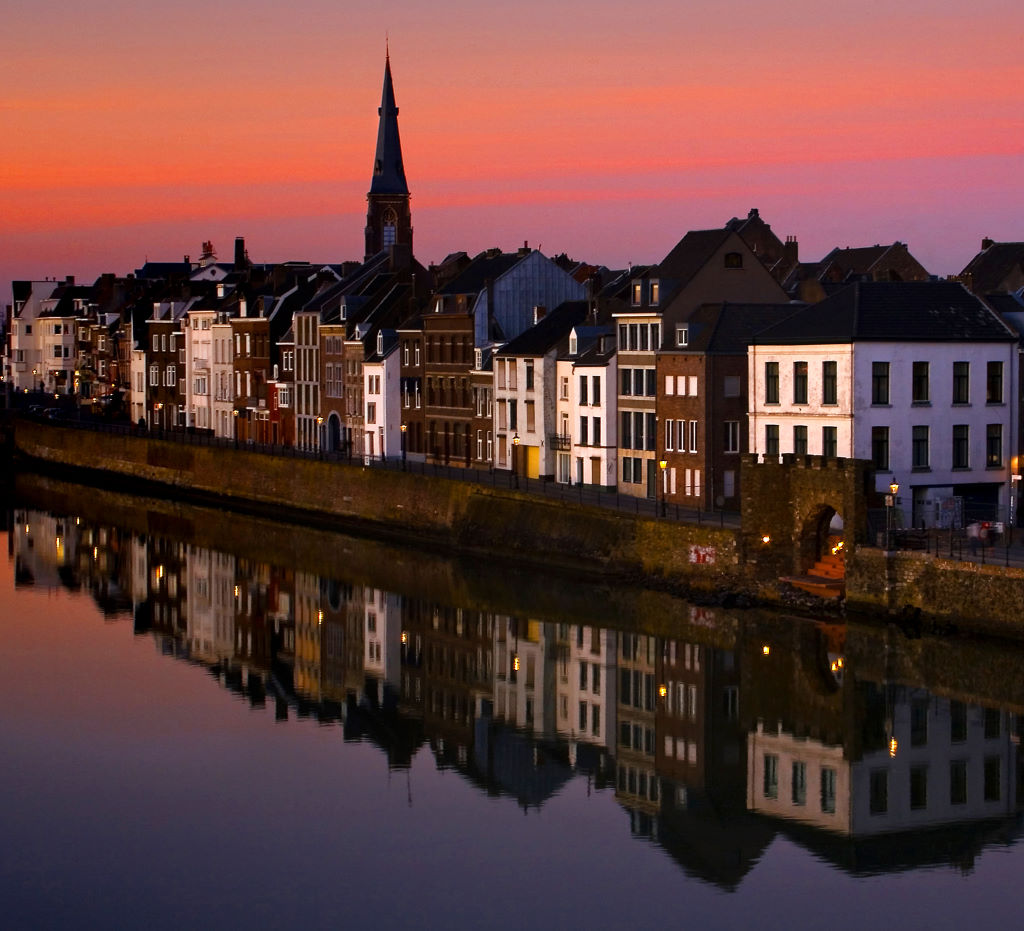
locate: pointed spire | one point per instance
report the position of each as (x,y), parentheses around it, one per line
(388,168)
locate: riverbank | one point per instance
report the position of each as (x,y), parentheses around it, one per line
(503,527)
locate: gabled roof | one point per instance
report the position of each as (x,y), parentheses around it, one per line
(690,255)
(892,311)
(998,264)
(547,332)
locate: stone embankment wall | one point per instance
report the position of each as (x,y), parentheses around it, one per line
(965,595)
(460,516)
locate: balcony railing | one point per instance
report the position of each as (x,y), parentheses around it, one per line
(560,441)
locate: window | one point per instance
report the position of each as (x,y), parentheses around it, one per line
(799,382)
(584,670)
(595,433)
(595,384)
(919,447)
(993,770)
(800,440)
(670,435)
(583,432)
(828,790)
(920,384)
(879,382)
(771,383)
(732,436)
(563,388)
(994,383)
(371,412)
(638,291)
(655,293)
(154,376)
(529,374)
(733,260)
(994,445)
(957,722)
(830,441)
(993,723)
(918,787)
(771,439)
(878,792)
(682,335)
(172,376)
(799,783)
(830,382)
(958,782)
(880,447)
(731,386)
(961,446)
(961,382)
(693,436)
(583,389)
(771,776)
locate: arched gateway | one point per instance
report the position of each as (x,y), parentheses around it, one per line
(801,513)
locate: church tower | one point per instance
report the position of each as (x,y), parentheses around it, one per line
(388,217)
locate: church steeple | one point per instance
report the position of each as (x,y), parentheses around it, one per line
(388,217)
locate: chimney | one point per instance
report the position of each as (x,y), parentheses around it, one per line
(220,290)
(791,251)
(70,281)
(526,248)
(240,257)
(539,313)
(243,307)
(987,243)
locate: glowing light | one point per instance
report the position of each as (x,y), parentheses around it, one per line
(766,539)
(405,636)
(319,617)
(766,649)
(663,690)
(515,662)
(893,744)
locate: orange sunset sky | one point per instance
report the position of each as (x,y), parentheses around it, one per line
(135,130)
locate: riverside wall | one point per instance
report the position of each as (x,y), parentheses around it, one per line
(458,516)
(508,529)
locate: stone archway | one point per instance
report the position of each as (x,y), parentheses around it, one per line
(814,538)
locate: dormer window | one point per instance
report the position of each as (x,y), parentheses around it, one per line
(439,306)
(655,293)
(733,260)
(380,343)
(478,359)
(573,345)
(638,291)
(683,335)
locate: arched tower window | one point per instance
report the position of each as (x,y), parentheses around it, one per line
(388,228)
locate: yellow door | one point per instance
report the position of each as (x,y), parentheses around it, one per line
(533,462)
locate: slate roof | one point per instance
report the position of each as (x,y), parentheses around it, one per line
(547,332)
(388,169)
(690,255)
(886,311)
(488,266)
(728,329)
(990,268)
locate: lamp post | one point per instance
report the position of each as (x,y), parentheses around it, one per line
(663,465)
(890,505)
(515,457)
(320,436)
(403,428)
(234,414)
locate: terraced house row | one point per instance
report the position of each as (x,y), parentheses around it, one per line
(650,380)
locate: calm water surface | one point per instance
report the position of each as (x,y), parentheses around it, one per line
(215,721)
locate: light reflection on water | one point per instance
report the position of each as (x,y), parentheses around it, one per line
(253,735)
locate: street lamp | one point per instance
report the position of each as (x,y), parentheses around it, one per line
(403,428)
(234,414)
(515,457)
(320,436)
(890,505)
(663,465)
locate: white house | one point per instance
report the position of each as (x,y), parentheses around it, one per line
(917,377)
(586,408)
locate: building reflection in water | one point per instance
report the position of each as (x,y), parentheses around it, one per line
(739,728)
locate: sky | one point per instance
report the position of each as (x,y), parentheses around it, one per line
(134,130)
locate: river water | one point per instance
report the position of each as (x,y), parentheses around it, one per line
(214,720)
